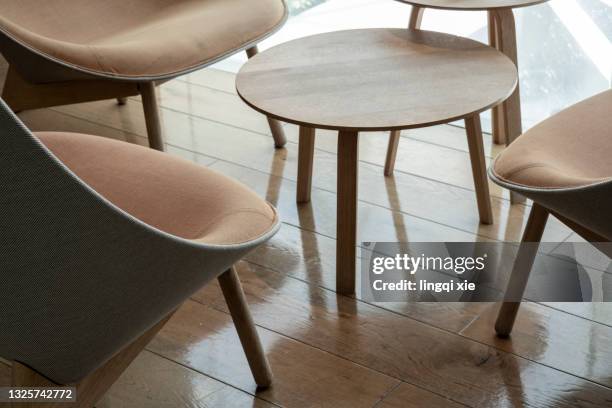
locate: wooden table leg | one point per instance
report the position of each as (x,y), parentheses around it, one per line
(394,140)
(511,109)
(348,162)
(479,168)
(497,125)
(276,128)
(305,163)
(416,18)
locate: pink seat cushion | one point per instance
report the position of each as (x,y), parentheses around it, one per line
(139,38)
(570,149)
(166,192)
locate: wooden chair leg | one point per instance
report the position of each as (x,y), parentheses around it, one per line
(151,112)
(305,163)
(505,28)
(237,304)
(521,269)
(276,127)
(394,140)
(479,168)
(121,101)
(496,118)
(91,388)
(348,169)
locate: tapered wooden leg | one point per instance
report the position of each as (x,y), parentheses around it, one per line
(305,163)
(276,127)
(394,140)
(479,168)
(278,134)
(121,101)
(91,388)
(151,112)
(416,17)
(511,108)
(522,267)
(348,164)
(496,118)
(237,304)
(506,42)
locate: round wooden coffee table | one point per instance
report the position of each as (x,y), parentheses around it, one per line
(507,124)
(375,80)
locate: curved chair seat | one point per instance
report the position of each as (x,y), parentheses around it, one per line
(139,38)
(166,192)
(569,150)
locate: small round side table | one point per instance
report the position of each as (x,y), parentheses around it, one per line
(507,124)
(375,80)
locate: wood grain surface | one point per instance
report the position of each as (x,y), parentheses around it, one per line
(376,79)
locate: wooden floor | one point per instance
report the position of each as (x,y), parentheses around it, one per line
(328,350)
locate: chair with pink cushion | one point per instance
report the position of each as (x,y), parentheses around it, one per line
(100,242)
(564,165)
(84,50)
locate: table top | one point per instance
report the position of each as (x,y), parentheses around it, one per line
(376,79)
(472,4)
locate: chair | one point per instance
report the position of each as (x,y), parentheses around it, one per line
(564,166)
(100,241)
(84,50)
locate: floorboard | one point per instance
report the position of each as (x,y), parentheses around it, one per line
(409,396)
(152,381)
(548,336)
(458,367)
(205,340)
